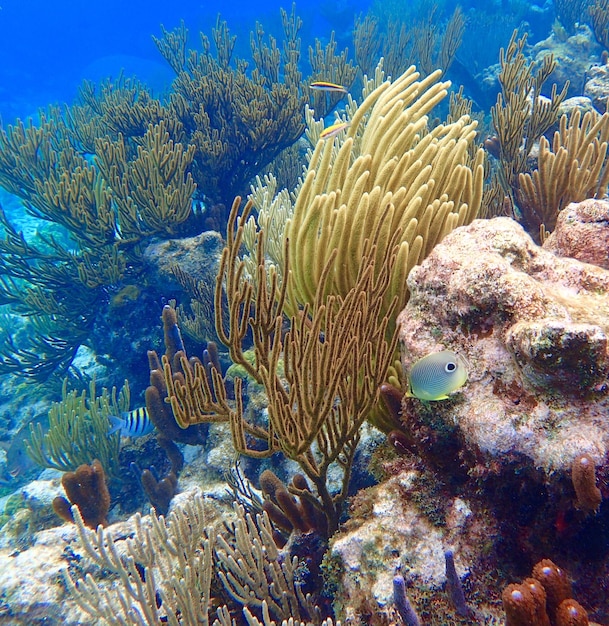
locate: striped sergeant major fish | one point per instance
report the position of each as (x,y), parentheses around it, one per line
(135,423)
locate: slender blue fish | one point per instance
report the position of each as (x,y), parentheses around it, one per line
(322,85)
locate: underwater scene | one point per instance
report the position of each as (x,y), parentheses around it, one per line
(304,313)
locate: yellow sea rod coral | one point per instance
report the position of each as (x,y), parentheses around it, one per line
(389,158)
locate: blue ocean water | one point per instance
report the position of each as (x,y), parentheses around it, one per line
(48,48)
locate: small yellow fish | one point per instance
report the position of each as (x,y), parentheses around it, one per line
(333,130)
(437,375)
(322,85)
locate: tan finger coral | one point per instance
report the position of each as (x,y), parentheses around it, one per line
(389,158)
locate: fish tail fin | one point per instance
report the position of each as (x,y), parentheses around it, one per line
(116,424)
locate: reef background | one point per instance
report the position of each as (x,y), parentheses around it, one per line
(492,473)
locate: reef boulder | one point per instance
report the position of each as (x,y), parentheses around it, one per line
(597,86)
(533,327)
(582,232)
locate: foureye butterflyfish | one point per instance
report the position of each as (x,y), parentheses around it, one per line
(437,375)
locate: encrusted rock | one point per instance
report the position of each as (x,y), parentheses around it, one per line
(597,86)
(387,530)
(582,232)
(31,581)
(559,353)
(533,327)
(582,104)
(32,587)
(197,256)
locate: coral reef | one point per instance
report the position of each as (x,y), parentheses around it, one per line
(101,210)
(488,472)
(472,489)
(149,573)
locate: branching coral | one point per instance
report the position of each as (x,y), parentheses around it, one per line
(327,65)
(153,192)
(55,280)
(238,120)
(422,42)
(78,431)
(390,167)
(164,573)
(115,107)
(253,570)
(599,18)
(120,166)
(574,169)
(366,42)
(164,578)
(100,210)
(198,324)
(521,116)
(331,379)
(571,12)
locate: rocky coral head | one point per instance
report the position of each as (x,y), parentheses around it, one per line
(533,327)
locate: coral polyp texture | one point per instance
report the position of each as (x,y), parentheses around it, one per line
(533,327)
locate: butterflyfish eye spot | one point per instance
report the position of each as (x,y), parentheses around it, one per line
(450,367)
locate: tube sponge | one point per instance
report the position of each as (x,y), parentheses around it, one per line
(571,613)
(555,583)
(455,587)
(402,603)
(86,488)
(521,606)
(589,496)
